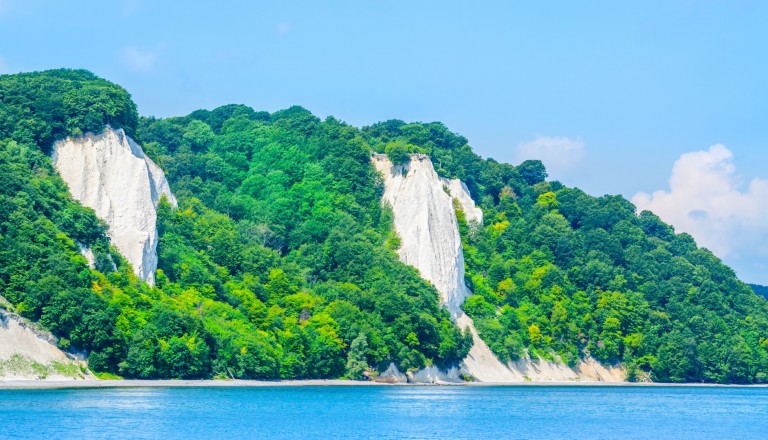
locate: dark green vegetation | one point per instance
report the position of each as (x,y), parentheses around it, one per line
(279,261)
(271,267)
(760,290)
(558,273)
(39,108)
(41,270)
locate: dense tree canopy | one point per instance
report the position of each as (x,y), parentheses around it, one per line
(760,290)
(557,273)
(275,262)
(279,261)
(40,107)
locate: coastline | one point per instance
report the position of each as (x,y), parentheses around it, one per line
(95,383)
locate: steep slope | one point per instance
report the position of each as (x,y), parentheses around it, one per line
(425,221)
(760,290)
(26,353)
(275,264)
(281,256)
(111,174)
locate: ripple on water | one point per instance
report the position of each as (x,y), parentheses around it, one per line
(386,412)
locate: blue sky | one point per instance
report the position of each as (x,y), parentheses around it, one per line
(611,95)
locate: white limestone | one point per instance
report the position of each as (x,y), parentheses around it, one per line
(110,174)
(432,374)
(391,375)
(481,362)
(15,337)
(21,346)
(425,221)
(460,192)
(87,252)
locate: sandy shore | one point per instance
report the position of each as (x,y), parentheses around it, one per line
(89,383)
(95,383)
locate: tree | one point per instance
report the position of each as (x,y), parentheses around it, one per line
(398,152)
(532,171)
(356,359)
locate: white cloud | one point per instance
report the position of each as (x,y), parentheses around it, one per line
(283,28)
(3,66)
(562,156)
(708,200)
(139,60)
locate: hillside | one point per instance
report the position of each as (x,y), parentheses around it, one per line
(760,290)
(280,260)
(558,274)
(251,290)
(28,353)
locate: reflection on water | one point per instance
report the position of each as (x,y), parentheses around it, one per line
(129,399)
(386,412)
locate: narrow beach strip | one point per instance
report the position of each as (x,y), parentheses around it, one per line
(91,383)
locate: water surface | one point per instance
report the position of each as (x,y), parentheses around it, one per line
(386,412)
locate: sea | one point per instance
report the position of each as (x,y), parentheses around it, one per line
(386,412)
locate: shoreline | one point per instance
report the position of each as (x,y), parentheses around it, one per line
(207,383)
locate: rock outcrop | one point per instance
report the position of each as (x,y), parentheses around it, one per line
(391,375)
(110,174)
(425,221)
(27,353)
(459,191)
(87,252)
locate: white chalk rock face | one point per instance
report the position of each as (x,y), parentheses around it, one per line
(86,252)
(425,220)
(460,192)
(16,337)
(27,353)
(110,174)
(426,223)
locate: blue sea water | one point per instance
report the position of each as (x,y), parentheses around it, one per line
(437,412)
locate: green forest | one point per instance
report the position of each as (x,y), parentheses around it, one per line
(760,290)
(280,261)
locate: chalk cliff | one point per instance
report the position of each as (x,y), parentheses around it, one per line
(28,353)
(425,220)
(426,223)
(110,174)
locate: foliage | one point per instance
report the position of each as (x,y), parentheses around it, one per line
(560,274)
(40,107)
(356,362)
(399,152)
(760,290)
(279,260)
(274,264)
